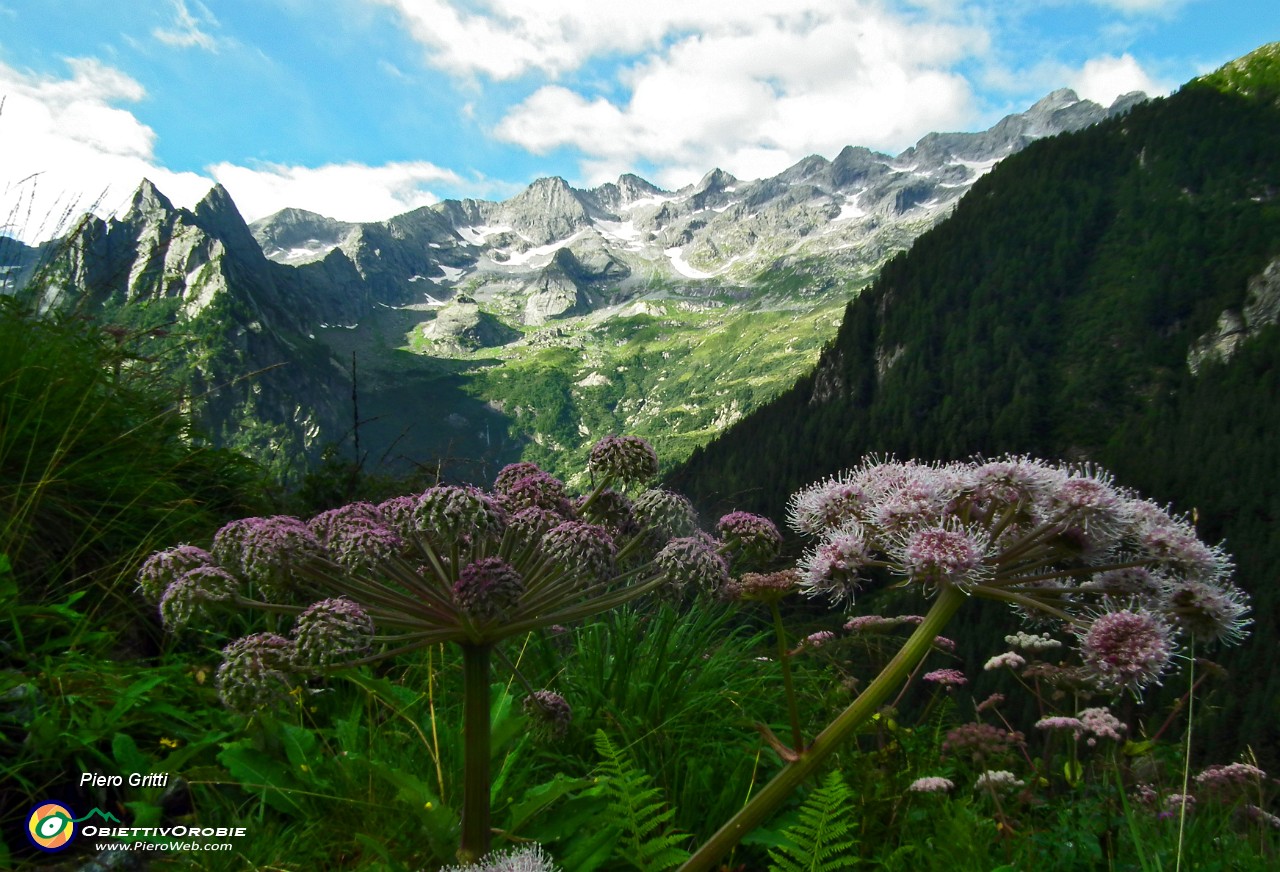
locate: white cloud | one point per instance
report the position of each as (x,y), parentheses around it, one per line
(1103,79)
(66,147)
(188,30)
(1143,7)
(349,192)
(754,94)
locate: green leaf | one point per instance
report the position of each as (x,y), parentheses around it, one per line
(257,771)
(127,756)
(541,797)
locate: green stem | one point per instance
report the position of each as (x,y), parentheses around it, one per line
(784,658)
(475,744)
(771,797)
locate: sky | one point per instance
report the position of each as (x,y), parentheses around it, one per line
(364,109)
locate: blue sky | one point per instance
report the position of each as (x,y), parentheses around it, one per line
(361,109)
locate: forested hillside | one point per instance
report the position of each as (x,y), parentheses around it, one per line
(1101,296)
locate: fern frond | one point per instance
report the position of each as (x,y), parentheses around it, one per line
(824,839)
(636,807)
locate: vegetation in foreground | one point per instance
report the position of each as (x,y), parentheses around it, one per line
(687,705)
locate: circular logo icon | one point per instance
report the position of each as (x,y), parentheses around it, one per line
(50,826)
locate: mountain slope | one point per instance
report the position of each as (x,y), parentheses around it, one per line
(1109,295)
(479,330)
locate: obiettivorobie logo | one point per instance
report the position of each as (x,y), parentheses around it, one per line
(51,825)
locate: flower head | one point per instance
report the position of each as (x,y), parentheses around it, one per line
(331,631)
(448,514)
(692,560)
(512,473)
(997,779)
(272,550)
(669,514)
(1129,648)
(941,554)
(629,459)
(932,784)
(826,505)
(257,672)
(749,539)
(1210,611)
(549,713)
(164,567)
(947,678)
(187,595)
(326,523)
(763,587)
(583,551)
(361,544)
(832,569)
(488,589)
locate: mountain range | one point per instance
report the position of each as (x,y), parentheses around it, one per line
(473,331)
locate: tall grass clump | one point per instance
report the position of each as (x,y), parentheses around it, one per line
(96,465)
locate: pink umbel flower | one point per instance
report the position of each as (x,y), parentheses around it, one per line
(164,567)
(1129,648)
(947,678)
(749,539)
(257,672)
(488,589)
(1102,723)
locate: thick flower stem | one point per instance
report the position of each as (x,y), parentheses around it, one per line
(771,797)
(475,738)
(784,658)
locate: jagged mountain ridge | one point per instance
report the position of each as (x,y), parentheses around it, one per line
(297,297)
(627,233)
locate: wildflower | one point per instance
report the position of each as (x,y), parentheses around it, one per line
(1210,611)
(749,539)
(164,567)
(769,587)
(531,524)
(191,591)
(824,506)
(932,784)
(832,569)
(256,672)
(1175,802)
(1102,723)
(1010,659)
(871,624)
(512,473)
(549,713)
(669,514)
(1260,817)
(1034,642)
(939,554)
(629,459)
(538,489)
(817,640)
(997,778)
(947,678)
(331,631)
(446,513)
(360,544)
(271,552)
(980,741)
(1075,725)
(488,589)
(692,560)
(1231,781)
(990,702)
(324,524)
(397,513)
(527,858)
(942,643)
(1126,648)
(583,551)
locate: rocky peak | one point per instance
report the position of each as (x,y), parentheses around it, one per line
(148,204)
(546,211)
(218,216)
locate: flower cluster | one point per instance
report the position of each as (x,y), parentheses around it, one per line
(1122,575)
(450,564)
(629,459)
